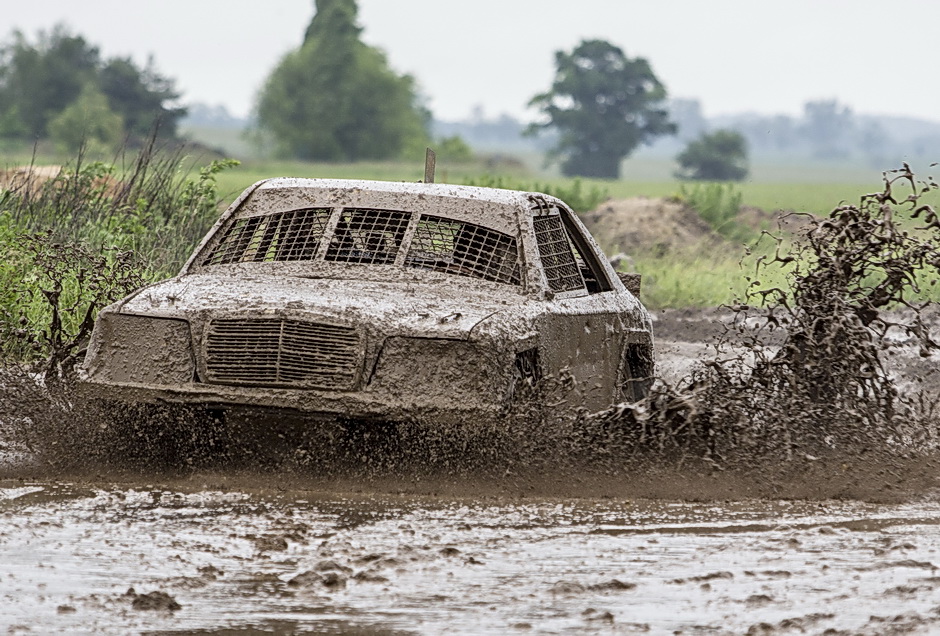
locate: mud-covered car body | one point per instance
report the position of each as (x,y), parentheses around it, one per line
(379,300)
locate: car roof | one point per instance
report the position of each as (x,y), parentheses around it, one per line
(492,195)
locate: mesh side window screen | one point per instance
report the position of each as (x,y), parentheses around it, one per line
(561,270)
(368,236)
(285,236)
(464,249)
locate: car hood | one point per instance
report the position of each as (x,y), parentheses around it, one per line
(395,308)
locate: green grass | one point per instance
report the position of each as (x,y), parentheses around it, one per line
(690,280)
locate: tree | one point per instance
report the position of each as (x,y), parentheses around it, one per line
(40,81)
(336,99)
(604,105)
(140,96)
(88,120)
(718,156)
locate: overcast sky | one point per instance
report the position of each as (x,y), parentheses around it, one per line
(877,56)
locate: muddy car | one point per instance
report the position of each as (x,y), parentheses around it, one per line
(379,301)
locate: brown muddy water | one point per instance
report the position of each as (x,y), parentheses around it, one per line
(835,549)
(241,561)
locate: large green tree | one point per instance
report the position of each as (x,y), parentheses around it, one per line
(336,99)
(717,156)
(141,96)
(38,82)
(603,105)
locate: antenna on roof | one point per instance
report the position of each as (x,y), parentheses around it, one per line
(430,160)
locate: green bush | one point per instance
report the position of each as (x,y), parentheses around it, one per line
(718,156)
(453,149)
(51,293)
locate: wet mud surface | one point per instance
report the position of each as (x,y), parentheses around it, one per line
(214,559)
(824,548)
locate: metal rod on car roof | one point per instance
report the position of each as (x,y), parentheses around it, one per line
(430,159)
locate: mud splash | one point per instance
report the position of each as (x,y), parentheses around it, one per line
(801,371)
(798,385)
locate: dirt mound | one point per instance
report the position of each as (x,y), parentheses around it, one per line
(662,225)
(642,224)
(27,176)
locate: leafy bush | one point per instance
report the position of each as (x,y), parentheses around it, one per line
(719,156)
(577,195)
(53,293)
(454,149)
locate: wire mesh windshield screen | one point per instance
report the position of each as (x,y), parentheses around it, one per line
(285,236)
(464,249)
(558,261)
(370,237)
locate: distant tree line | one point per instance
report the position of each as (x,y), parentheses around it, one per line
(826,130)
(335,98)
(61,88)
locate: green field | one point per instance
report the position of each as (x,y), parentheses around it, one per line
(808,195)
(700,278)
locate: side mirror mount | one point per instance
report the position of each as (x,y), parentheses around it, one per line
(631,281)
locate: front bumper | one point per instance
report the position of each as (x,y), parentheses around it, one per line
(143,359)
(353,405)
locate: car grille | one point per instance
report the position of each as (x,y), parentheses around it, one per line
(274,351)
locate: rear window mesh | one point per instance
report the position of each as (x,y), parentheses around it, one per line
(285,236)
(561,270)
(464,249)
(371,237)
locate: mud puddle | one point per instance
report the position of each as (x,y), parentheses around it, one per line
(139,558)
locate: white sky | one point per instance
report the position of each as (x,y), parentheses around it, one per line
(877,56)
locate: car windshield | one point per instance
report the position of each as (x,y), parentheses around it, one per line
(371,237)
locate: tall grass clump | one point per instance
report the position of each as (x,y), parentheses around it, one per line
(152,205)
(696,278)
(718,204)
(90,234)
